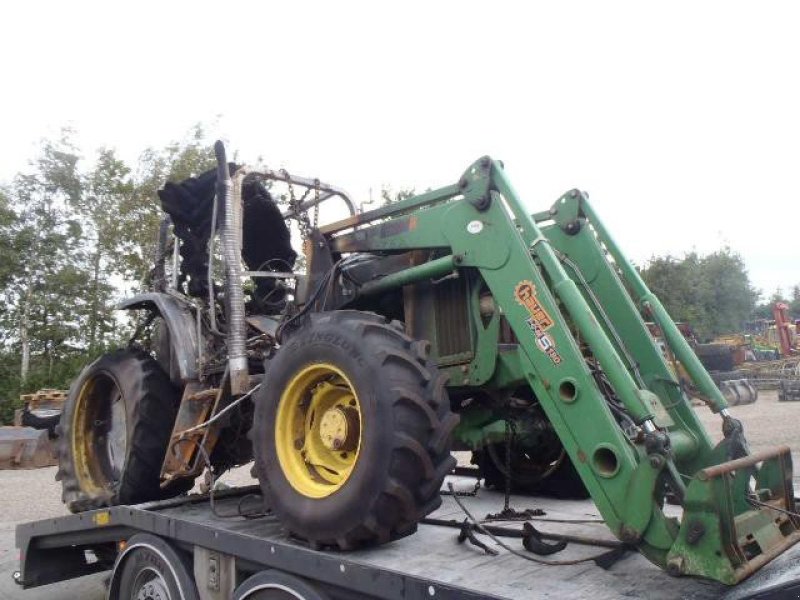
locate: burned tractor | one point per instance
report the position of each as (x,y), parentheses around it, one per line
(453,319)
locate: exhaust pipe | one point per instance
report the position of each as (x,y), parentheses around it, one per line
(234,296)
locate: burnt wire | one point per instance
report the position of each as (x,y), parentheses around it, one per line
(755,502)
(310,303)
(326,285)
(211,491)
(480,527)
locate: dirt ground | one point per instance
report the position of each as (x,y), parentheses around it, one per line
(32,495)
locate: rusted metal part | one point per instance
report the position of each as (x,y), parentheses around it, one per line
(326,191)
(392,210)
(26,448)
(741,463)
(181,459)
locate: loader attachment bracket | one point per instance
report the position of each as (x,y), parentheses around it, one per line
(738,516)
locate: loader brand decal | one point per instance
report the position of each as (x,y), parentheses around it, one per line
(539,321)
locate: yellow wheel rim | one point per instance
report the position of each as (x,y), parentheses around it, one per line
(318,430)
(99,434)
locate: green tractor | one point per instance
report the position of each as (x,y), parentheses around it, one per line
(451,320)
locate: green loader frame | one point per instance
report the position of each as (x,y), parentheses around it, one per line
(567,293)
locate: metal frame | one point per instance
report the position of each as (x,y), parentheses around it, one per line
(50,550)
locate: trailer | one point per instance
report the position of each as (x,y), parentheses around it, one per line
(226,545)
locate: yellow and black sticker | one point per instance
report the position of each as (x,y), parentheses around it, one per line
(539,321)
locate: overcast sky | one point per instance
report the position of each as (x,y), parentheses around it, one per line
(681,119)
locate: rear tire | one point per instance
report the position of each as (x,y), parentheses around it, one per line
(114,431)
(391,469)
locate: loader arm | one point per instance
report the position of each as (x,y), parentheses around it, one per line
(568,293)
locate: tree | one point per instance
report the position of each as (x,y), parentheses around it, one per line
(105,189)
(139,213)
(713,293)
(45,292)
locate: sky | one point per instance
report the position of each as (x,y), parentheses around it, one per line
(681,119)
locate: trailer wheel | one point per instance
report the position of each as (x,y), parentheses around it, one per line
(352,431)
(151,569)
(114,431)
(277,585)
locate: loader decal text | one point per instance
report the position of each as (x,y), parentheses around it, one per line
(539,320)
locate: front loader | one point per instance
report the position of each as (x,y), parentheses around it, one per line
(449,320)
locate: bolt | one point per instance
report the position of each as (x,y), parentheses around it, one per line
(656,461)
(337,443)
(298,444)
(676,566)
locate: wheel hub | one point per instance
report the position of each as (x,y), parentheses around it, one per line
(338,429)
(150,585)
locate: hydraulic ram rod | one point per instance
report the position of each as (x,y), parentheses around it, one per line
(570,295)
(647,300)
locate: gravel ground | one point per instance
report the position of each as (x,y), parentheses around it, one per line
(32,495)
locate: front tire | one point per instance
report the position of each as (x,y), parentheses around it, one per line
(352,431)
(114,431)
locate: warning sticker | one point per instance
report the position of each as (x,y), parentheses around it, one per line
(539,321)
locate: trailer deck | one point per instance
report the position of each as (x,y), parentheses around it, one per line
(429,564)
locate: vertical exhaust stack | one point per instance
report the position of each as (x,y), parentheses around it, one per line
(234,297)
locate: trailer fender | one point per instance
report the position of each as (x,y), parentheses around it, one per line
(270,579)
(181,326)
(160,557)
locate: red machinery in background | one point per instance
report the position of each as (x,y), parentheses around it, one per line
(783,327)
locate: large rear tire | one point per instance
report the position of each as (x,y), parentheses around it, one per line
(114,431)
(352,431)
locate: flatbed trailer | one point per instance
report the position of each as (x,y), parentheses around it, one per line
(226,547)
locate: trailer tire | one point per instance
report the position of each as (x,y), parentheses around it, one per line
(150,561)
(277,585)
(394,434)
(130,472)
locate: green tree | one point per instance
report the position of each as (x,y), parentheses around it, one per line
(139,213)
(104,189)
(46,291)
(713,292)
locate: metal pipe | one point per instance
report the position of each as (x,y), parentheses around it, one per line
(326,190)
(430,270)
(677,343)
(234,295)
(176,261)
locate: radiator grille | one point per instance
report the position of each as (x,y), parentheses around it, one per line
(452,321)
